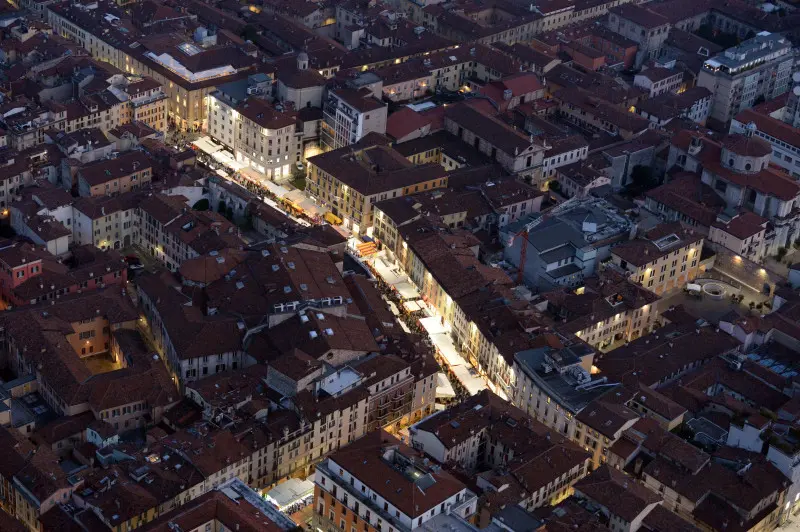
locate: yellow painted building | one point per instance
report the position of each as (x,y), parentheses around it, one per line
(663,260)
(348,183)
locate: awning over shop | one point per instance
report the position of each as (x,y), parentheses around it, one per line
(311,208)
(295,196)
(388,273)
(440,336)
(365,249)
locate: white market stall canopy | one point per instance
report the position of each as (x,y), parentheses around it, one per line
(406,290)
(389,275)
(206,145)
(443,387)
(413,306)
(440,336)
(277,190)
(290,492)
(226,158)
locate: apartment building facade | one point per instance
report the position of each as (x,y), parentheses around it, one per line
(663,260)
(349,182)
(758,67)
(349,115)
(259,135)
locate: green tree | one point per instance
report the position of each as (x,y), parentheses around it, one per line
(642,180)
(201,205)
(249,33)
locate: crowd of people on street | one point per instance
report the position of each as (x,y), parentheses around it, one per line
(411,320)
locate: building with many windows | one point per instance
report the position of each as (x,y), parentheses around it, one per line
(174,233)
(259,134)
(349,180)
(737,168)
(605,311)
(379,483)
(663,259)
(758,67)
(782,136)
(349,114)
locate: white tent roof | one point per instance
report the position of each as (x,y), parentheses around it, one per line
(289,492)
(406,290)
(412,306)
(295,195)
(440,336)
(226,158)
(278,190)
(443,387)
(207,145)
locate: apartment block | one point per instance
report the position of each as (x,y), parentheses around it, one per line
(605,311)
(126,172)
(259,135)
(758,67)
(738,169)
(662,260)
(349,180)
(173,233)
(366,487)
(349,115)
(744,234)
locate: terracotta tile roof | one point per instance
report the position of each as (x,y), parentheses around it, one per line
(216,507)
(670,350)
(374,168)
(100,172)
(606,417)
(364,459)
(275,275)
(621,495)
(640,16)
(743,225)
(569,516)
(603,297)
(747,146)
(643,250)
(478,413)
(686,194)
(771,126)
(405,121)
(661,519)
(191,333)
(749,387)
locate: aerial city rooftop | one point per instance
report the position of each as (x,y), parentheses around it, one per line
(409,266)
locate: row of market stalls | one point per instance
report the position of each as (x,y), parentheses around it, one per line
(462,370)
(217,157)
(294,201)
(438,331)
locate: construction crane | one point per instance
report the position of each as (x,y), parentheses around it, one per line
(523,233)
